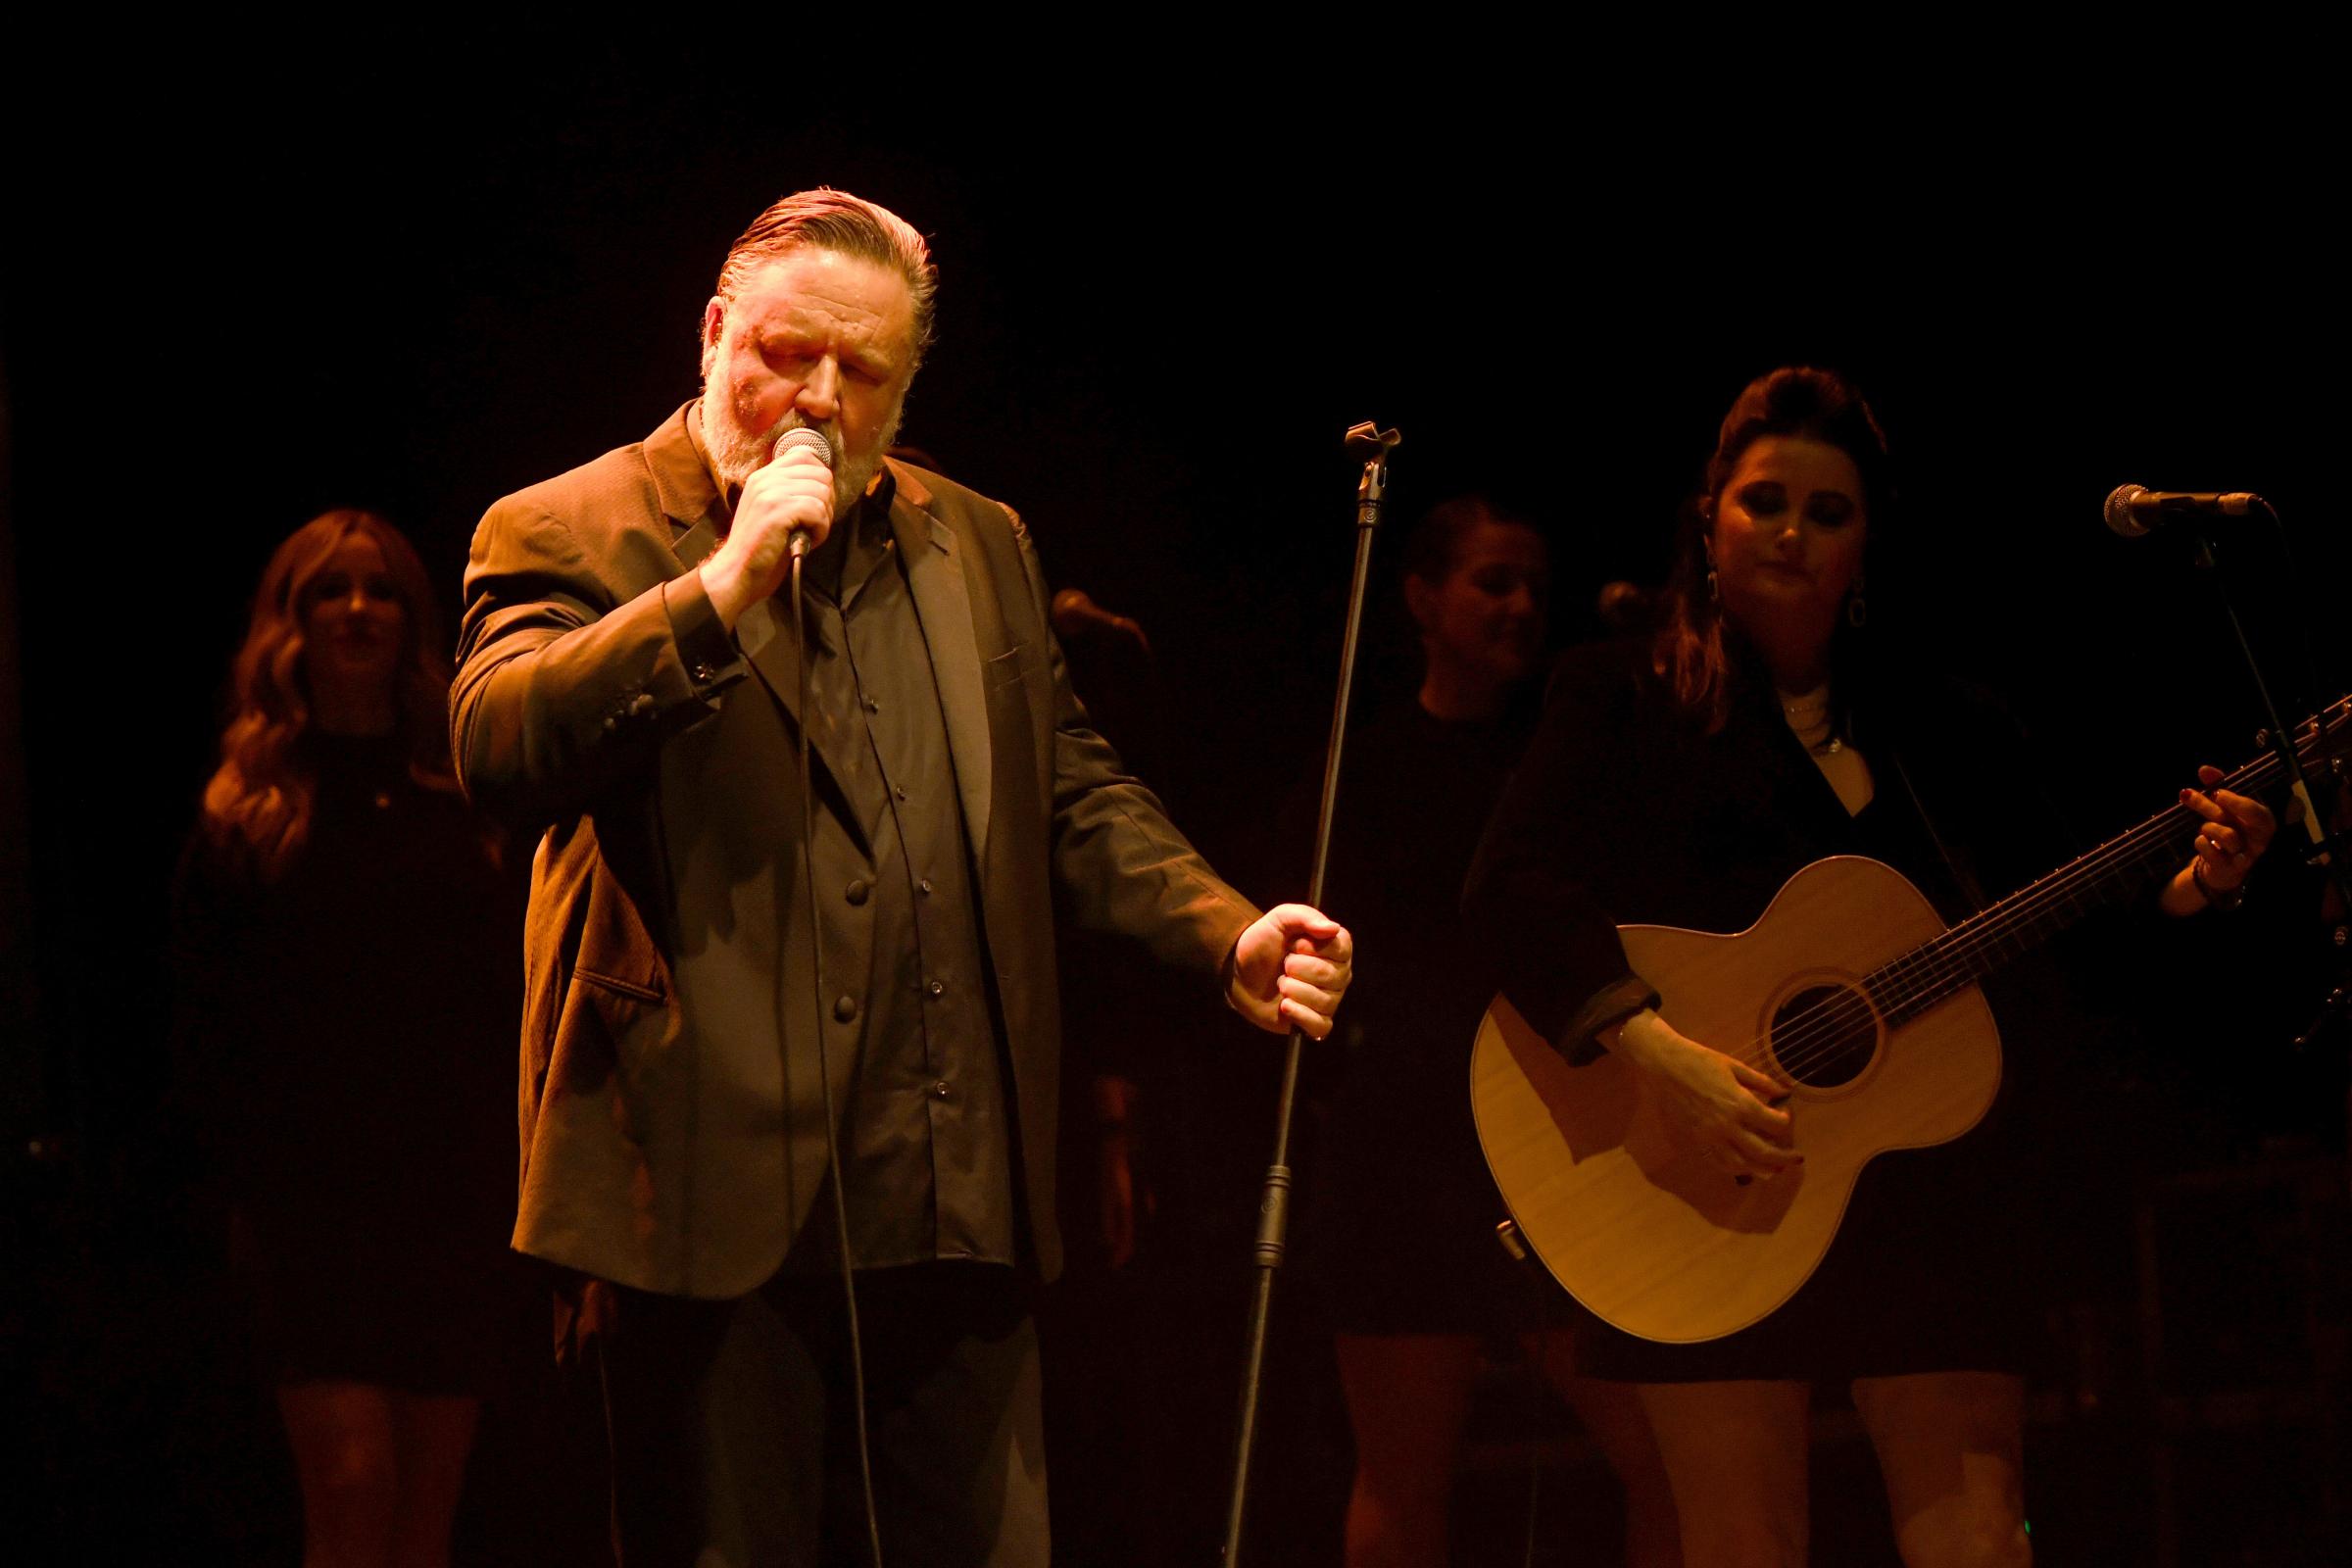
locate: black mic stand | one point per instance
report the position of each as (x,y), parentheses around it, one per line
(1274,1205)
(2327,849)
(2278,737)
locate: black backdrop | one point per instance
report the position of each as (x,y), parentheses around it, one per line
(415,286)
(419,289)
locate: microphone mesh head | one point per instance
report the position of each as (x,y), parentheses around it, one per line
(2119,516)
(800,435)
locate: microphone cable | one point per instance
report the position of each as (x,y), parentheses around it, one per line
(825,1073)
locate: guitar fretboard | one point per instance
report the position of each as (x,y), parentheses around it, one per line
(2115,872)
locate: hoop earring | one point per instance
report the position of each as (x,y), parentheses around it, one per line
(1714,596)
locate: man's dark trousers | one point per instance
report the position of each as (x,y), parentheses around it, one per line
(733,1443)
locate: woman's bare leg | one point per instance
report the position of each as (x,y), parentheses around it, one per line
(1612,1415)
(433,1434)
(1735,1457)
(344,1459)
(1952,1445)
(1409,1395)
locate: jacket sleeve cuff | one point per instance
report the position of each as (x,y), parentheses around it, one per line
(705,649)
(1612,1004)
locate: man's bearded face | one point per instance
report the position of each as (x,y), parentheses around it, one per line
(815,339)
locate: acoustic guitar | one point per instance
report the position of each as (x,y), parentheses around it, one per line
(1854,988)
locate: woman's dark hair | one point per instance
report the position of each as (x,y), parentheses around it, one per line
(1689,654)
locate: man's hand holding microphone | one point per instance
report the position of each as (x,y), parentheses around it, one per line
(786,509)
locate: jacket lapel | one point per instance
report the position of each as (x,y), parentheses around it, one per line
(942,604)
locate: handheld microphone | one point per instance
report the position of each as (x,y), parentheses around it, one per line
(802,438)
(2134,510)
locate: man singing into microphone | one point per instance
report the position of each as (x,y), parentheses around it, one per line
(631,687)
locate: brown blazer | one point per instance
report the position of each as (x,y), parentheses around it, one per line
(671,1109)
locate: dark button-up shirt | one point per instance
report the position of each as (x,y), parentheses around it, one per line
(926,1151)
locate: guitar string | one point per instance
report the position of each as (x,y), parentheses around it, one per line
(1904,987)
(1956,956)
(1960,950)
(1990,928)
(1948,962)
(1810,1035)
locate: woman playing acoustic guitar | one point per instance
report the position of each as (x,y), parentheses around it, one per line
(1680,782)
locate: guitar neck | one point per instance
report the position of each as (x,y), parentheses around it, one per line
(2119,869)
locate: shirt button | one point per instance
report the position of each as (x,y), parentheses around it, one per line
(936,988)
(925,885)
(872,706)
(900,790)
(939,1089)
(703,674)
(856,892)
(845,1008)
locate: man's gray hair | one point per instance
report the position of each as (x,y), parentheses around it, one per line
(828,219)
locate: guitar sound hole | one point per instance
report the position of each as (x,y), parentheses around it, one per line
(1824,1035)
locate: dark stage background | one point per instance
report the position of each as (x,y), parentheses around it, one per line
(419,290)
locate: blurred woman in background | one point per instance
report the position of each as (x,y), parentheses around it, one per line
(347,953)
(1405,1213)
